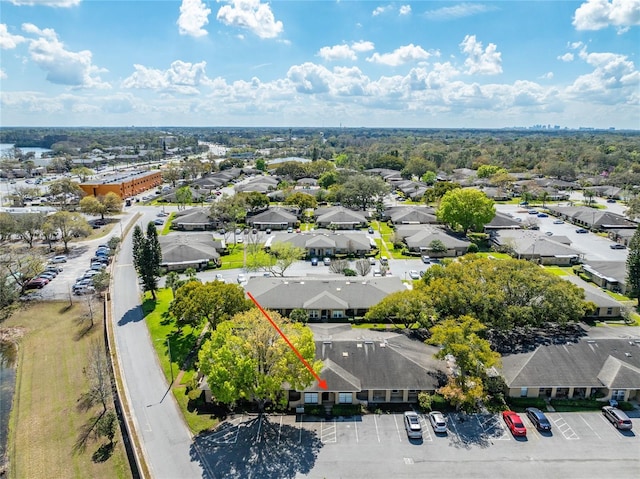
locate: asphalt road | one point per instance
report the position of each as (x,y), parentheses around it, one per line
(164,435)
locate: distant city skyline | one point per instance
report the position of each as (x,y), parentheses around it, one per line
(320,63)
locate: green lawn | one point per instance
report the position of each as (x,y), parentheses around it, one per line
(560,270)
(162,330)
(48,415)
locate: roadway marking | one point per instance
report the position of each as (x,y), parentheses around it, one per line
(492,421)
(425,428)
(589,426)
(565,429)
(355,425)
(611,426)
(397,428)
(408,461)
(330,435)
(376,423)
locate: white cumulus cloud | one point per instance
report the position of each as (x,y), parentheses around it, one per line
(487,61)
(599,14)
(63,67)
(405,10)
(181,77)
(337,52)
(400,56)
(251,15)
(380,10)
(567,57)
(48,3)
(7,40)
(194,15)
(362,46)
(3,74)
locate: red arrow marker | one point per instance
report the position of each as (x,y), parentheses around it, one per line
(321,382)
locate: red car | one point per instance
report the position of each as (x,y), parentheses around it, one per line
(36,283)
(514,423)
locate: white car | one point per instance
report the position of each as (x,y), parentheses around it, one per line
(59,259)
(413,274)
(242,278)
(438,422)
(412,425)
(219,277)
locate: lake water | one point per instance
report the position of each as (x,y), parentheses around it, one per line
(38,160)
(7,386)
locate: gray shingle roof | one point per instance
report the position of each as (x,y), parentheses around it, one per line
(375,360)
(183,248)
(292,293)
(611,363)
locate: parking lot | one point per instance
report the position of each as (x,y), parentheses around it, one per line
(376,445)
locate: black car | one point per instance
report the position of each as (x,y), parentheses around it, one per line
(539,420)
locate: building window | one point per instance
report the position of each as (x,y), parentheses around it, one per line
(311,398)
(314,314)
(617,394)
(524,392)
(337,313)
(345,398)
(609,311)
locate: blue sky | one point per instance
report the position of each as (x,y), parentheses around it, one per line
(469,64)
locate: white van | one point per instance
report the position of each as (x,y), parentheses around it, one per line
(384,260)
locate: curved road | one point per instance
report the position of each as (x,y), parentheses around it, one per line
(164,436)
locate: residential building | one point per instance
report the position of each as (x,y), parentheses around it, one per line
(321,243)
(124,185)
(189,250)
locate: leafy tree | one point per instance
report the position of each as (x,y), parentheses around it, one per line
(82,172)
(302,200)
(8,225)
(280,257)
(466,209)
(29,226)
(409,307)
(434,194)
(361,191)
(328,179)
(8,294)
(147,256)
(437,246)
(19,268)
(63,190)
(261,164)
(22,193)
(183,196)
(503,294)
(487,171)
(461,339)
(101,205)
(172,280)
(171,175)
(255,201)
(101,281)
(99,376)
(429,177)
(70,225)
(246,359)
(214,302)
(633,265)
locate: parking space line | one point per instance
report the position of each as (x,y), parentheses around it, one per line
(229,436)
(300,435)
(564,428)
(331,435)
(397,428)
(492,421)
(279,430)
(611,426)
(376,423)
(589,426)
(355,425)
(425,428)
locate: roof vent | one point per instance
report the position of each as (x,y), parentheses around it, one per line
(326,341)
(359,345)
(338,289)
(285,282)
(347,282)
(383,345)
(368,341)
(627,355)
(345,354)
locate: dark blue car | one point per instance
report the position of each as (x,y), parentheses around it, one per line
(539,420)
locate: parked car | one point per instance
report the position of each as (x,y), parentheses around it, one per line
(372,261)
(538,419)
(84,290)
(412,425)
(82,283)
(370,230)
(241,278)
(384,260)
(543,215)
(611,200)
(438,422)
(514,423)
(617,246)
(48,276)
(617,417)
(314,261)
(413,274)
(326,261)
(581,230)
(158,221)
(219,277)
(377,272)
(98,266)
(558,222)
(289,229)
(268,231)
(51,267)
(59,259)
(426,259)
(36,283)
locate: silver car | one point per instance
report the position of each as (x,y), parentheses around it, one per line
(438,422)
(412,425)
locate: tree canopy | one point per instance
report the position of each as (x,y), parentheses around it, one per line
(147,256)
(101,205)
(633,265)
(408,307)
(503,294)
(246,359)
(466,209)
